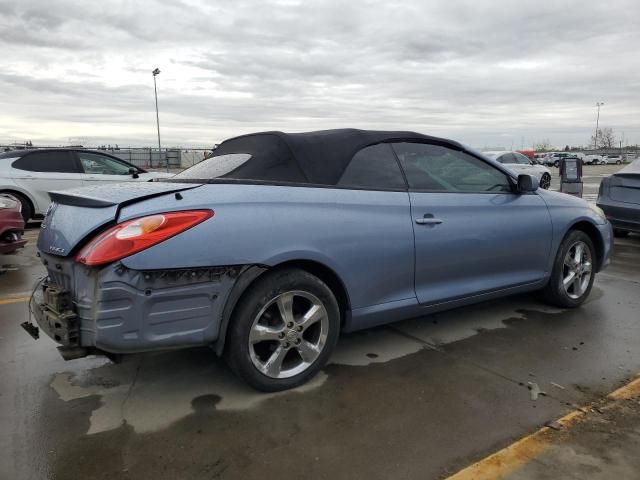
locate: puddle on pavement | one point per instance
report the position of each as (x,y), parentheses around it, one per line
(150,392)
(153,391)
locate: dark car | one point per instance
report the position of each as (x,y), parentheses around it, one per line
(619,197)
(11,225)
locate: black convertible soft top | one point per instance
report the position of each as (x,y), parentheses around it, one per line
(318,157)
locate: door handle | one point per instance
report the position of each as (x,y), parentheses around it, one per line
(428,219)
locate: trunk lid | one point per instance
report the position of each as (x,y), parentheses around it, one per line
(625,187)
(74,214)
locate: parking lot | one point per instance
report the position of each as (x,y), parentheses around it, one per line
(423,398)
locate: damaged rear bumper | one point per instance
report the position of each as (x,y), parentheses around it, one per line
(117,310)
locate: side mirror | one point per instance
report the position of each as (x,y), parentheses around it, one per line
(527,183)
(133,172)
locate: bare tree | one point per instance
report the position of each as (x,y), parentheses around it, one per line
(605,138)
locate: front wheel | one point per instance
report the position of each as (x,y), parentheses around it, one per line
(545,181)
(283,331)
(556,164)
(573,271)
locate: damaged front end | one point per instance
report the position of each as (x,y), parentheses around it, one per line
(116,310)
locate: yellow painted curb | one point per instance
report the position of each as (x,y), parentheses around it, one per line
(506,461)
(630,390)
(511,458)
(10,300)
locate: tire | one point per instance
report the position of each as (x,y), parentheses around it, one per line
(27,209)
(578,290)
(545,181)
(618,162)
(620,233)
(261,346)
(556,164)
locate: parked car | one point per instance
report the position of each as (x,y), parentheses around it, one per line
(11,225)
(619,198)
(594,159)
(613,158)
(29,174)
(538,158)
(519,163)
(555,157)
(276,244)
(528,153)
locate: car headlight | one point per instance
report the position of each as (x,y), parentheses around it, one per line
(598,211)
(6,202)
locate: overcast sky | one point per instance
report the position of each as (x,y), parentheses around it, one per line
(484,72)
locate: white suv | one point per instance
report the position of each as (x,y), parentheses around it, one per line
(29,175)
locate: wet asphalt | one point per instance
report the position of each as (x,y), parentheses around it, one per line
(421,398)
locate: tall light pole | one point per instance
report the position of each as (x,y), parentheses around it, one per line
(595,137)
(155,91)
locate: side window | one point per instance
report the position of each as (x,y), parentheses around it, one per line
(521,159)
(47,161)
(508,158)
(94,163)
(441,169)
(373,167)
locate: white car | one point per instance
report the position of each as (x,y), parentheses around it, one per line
(519,163)
(617,159)
(594,159)
(30,174)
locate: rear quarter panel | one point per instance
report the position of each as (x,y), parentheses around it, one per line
(365,237)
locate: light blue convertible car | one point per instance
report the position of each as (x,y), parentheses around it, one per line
(278,243)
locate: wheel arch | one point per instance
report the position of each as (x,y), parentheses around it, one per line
(18,191)
(248,277)
(594,234)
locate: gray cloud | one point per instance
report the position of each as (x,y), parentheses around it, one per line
(483,72)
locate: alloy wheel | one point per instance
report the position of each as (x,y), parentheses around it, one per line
(577,270)
(545,181)
(288,334)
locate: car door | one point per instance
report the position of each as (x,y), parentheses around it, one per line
(44,171)
(473,233)
(100,169)
(381,248)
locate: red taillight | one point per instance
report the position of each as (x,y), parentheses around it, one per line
(135,235)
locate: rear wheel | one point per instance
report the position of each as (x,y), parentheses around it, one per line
(545,181)
(573,271)
(283,331)
(618,162)
(556,164)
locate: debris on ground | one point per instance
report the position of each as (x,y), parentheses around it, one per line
(534,390)
(553,424)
